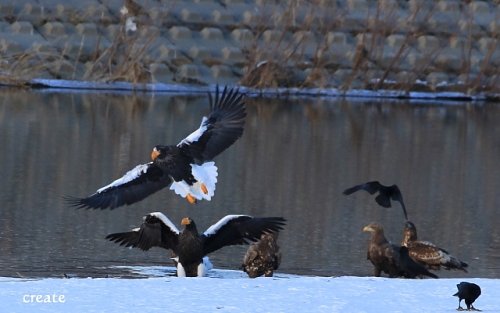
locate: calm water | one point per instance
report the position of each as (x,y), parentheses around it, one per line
(294,160)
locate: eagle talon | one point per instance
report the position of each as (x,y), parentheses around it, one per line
(190,199)
(204,188)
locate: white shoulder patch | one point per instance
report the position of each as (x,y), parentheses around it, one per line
(212,230)
(165,221)
(194,136)
(129,176)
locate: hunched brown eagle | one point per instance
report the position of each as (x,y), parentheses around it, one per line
(262,257)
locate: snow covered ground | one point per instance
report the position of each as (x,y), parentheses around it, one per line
(232,291)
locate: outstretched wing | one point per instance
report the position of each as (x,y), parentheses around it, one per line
(238,230)
(156,231)
(223,126)
(386,194)
(371,187)
(135,185)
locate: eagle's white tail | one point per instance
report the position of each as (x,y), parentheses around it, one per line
(205,175)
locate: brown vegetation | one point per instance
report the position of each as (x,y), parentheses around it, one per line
(387,44)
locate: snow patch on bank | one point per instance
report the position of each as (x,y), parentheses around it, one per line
(67,85)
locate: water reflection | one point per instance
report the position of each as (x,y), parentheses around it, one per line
(294,160)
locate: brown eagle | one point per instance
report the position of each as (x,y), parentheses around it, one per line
(389,258)
(262,257)
(427,253)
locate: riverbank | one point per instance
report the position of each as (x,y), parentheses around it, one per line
(430,46)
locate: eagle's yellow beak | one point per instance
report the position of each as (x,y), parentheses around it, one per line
(154,154)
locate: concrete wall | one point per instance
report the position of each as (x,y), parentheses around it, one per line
(346,44)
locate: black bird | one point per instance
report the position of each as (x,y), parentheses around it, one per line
(262,257)
(190,246)
(427,253)
(410,268)
(469,292)
(390,258)
(187,167)
(386,194)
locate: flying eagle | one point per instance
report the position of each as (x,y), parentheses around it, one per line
(262,257)
(188,245)
(187,167)
(386,194)
(389,258)
(469,292)
(427,253)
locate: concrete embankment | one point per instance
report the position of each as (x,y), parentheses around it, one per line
(385,44)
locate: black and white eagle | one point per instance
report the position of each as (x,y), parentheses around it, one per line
(186,167)
(188,245)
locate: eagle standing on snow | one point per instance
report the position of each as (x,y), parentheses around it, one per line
(189,246)
(389,258)
(187,167)
(427,253)
(262,257)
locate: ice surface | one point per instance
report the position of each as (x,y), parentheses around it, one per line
(232,291)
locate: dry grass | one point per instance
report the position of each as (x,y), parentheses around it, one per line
(280,56)
(122,61)
(373,64)
(19,68)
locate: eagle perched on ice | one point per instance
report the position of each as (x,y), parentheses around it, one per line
(262,257)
